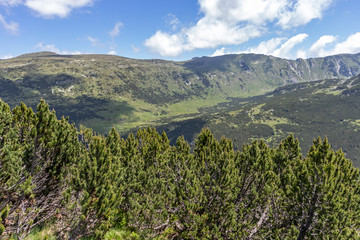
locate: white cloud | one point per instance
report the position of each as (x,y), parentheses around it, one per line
(52,48)
(350,45)
(116,30)
(301,12)
(328,45)
(219,52)
(203,35)
(284,50)
(172,21)
(267,47)
(166,44)
(317,49)
(49,8)
(49,47)
(12,27)
(7,56)
(232,22)
(71,52)
(278,47)
(112,52)
(10,3)
(59,8)
(235,11)
(301,54)
(94,41)
(210,34)
(135,49)
(281,47)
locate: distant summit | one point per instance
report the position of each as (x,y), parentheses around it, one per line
(37,54)
(101,91)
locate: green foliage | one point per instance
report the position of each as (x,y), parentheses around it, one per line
(150,201)
(321,193)
(89,186)
(97,179)
(216,176)
(116,234)
(10,150)
(3,215)
(39,150)
(42,233)
(2,229)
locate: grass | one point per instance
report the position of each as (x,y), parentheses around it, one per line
(291,109)
(355,124)
(328,91)
(145,114)
(273,121)
(45,233)
(266,117)
(48,233)
(255,110)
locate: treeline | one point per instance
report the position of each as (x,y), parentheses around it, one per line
(84,184)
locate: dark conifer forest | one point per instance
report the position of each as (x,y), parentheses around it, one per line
(84,184)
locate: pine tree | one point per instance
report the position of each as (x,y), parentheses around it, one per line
(287,153)
(10,166)
(97,183)
(322,194)
(212,207)
(256,190)
(151,197)
(44,148)
(16,187)
(285,158)
(182,174)
(10,152)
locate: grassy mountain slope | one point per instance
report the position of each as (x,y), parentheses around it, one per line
(321,108)
(100,90)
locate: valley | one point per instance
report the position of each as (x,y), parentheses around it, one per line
(242,97)
(320,108)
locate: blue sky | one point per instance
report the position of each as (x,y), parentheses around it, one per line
(180,29)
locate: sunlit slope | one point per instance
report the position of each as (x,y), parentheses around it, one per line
(101,90)
(322,108)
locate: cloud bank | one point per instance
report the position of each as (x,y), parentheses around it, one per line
(49,8)
(328,45)
(278,47)
(281,47)
(232,22)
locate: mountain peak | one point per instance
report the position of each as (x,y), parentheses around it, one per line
(37,54)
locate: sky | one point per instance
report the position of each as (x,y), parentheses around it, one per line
(180,29)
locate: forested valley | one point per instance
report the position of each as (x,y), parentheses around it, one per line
(82,185)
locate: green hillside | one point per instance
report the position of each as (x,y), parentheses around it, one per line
(60,182)
(321,108)
(100,91)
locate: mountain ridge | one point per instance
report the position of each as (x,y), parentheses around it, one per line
(104,90)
